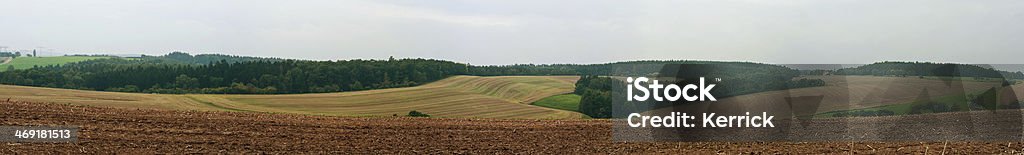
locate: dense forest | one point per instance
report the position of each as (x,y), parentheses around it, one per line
(185,58)
(177,73)
(596,92)
(928,69)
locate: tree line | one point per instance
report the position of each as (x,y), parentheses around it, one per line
(928,69)
(9,54)
(179,74)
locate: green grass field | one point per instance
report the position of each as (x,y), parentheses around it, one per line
(957,100)
(569,102)
(29,62)
(453,97)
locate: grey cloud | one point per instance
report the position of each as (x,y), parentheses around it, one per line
(508,32)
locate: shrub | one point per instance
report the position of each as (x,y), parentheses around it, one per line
(415,113)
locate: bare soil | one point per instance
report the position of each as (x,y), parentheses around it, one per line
(115,130)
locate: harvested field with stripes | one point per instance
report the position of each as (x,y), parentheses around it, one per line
(458,96)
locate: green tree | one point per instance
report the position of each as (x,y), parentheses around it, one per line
(183,81)
(596,104)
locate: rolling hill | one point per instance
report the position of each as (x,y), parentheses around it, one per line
(847,93)
(458,96)
(29,62)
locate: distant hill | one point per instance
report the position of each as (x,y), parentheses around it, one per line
(201,59)
(928,69)
(174,58)
(179,58)
(29,62)
(217,74)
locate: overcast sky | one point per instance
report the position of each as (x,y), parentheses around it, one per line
(517,31)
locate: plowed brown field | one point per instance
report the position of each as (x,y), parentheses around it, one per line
(114,130)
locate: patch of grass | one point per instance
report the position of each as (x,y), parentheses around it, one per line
(569,102)
(29,62)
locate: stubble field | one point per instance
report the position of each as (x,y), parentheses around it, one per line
(454,97)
